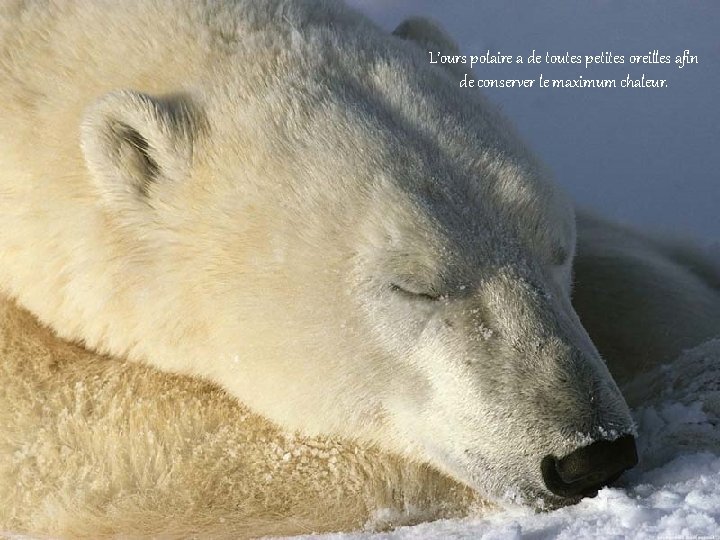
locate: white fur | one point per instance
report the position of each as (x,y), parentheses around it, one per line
(242,191)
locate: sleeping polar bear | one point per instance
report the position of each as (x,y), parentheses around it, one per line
(279,198)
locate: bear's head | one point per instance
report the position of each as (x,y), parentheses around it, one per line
(367,253)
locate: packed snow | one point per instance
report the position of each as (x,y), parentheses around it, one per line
(674,493)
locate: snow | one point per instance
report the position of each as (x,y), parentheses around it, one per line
(673,493)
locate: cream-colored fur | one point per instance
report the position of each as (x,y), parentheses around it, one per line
(283,199)
(91,447)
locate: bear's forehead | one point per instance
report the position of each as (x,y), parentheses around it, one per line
(461,225)
(476,197)
(485,199)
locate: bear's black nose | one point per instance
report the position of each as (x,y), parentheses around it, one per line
(587,469)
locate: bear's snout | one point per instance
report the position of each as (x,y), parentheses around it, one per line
(584,471)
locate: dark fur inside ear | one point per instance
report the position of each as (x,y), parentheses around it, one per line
(136,145)
(132,150)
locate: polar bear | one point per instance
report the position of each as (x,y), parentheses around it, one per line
(282,199)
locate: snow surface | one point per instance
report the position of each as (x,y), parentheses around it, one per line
(673,493)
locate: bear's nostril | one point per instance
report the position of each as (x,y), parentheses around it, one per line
(587,469)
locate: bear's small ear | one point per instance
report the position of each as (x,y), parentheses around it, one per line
(427,34)
(134,143)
